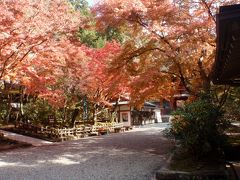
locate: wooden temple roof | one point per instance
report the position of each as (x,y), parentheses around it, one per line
(226,69)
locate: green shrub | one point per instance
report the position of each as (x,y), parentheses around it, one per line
(199,126)
(3,112)
(37,112)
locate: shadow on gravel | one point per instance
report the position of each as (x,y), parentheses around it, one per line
(130,149)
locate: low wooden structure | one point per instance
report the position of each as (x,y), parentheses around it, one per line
(227,64)
(63,134)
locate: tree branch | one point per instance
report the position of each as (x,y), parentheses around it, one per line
(209,10)
(224,96)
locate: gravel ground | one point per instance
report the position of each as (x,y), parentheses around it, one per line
(125,156)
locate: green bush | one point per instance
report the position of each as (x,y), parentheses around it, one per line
(37,112)
(3,112)
(199,126)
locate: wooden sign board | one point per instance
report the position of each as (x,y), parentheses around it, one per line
(51,118)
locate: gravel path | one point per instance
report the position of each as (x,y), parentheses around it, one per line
(126,156)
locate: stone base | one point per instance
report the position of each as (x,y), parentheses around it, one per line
(165,174)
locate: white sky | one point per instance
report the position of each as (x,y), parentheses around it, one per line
(92,2)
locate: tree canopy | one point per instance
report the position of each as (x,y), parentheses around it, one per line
(169,43)
(62,50)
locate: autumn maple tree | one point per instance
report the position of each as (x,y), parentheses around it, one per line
(37,42)
(168,43)
(39,49)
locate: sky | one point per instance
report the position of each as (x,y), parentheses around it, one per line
(92,2)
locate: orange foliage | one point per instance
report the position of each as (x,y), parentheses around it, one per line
(169,41)
(36,44)
(98,84)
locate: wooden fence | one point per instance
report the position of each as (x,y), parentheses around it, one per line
(70,133)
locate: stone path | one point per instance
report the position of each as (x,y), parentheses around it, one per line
(131,155)
(26,139)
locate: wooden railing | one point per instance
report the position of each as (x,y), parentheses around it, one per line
(71,133)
